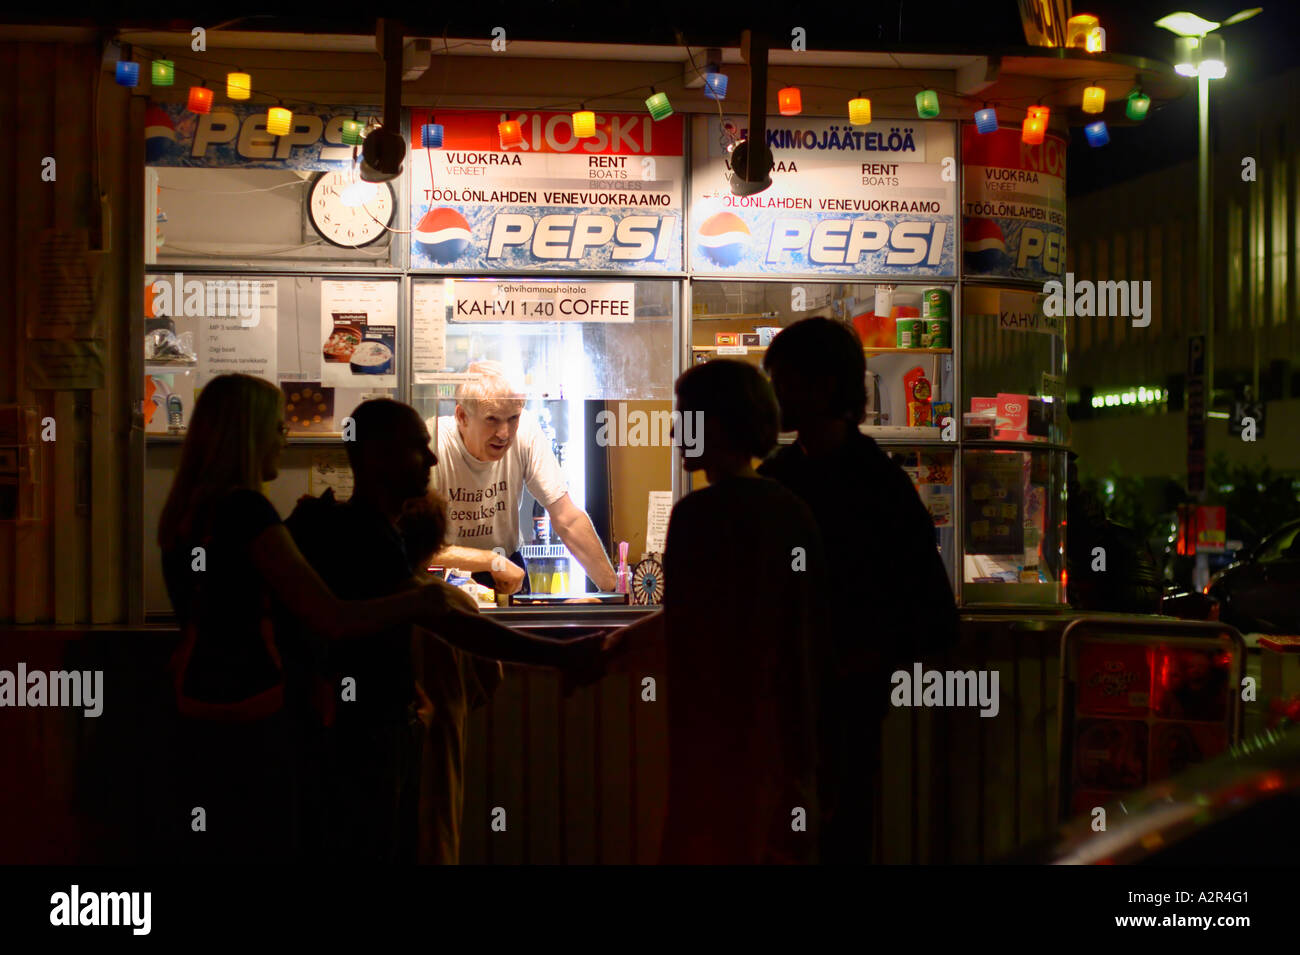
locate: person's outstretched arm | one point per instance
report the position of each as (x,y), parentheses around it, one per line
(579,535)
(301,590)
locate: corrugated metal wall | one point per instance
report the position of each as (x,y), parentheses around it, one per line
(70,564)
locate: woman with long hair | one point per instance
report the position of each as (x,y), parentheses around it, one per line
(231,567)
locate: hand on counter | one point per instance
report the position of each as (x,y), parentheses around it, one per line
(507,575)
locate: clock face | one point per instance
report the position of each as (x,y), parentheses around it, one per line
(349,226)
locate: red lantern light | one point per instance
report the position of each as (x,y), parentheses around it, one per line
(200,99)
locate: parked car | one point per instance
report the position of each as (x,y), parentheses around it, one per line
(1238,808)
(1261,591)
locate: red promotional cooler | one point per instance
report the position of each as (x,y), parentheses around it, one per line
(1141,701)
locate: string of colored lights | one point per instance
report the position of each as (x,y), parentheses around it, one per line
(280,119)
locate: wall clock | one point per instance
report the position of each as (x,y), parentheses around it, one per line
(348,227)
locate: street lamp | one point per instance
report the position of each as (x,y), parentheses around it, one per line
(1197,53)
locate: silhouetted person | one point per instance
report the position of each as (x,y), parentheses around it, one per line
(744,580)
(892,602)
(372,777)
(451,683)
(232,571)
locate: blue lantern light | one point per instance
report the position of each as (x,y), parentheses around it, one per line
(986,119)
(128,73)
(715,85)
(1097,133)
(431,135)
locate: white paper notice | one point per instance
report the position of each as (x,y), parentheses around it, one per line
(358,321)
(656,522)
(428,331)
(230,342)
(330,469)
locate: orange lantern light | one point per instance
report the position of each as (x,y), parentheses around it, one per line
(511,134)
(789,101)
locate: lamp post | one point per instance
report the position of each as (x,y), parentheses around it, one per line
(1200,54)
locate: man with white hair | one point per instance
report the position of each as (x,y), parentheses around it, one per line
(487,452)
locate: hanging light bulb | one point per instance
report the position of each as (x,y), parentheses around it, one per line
(127,73)
(1137,105)
(1094,99)
(200,99)
(789,101)
(860,110)
(431,135)
(239,86)
(584,123)
(510,133)
(354,132)
(658,105)
(358,193)
(1097,133)
(279,121)
(715,85)
(162,72)
(927,104)
(986,119)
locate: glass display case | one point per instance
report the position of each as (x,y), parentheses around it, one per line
(1014,444)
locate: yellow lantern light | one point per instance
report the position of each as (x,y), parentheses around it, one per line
(238,85)
(584,123)
(860,111)
(1094,99)
(1077,29)
(279,121)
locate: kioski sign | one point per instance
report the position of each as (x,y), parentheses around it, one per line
(237,136)
(612,201)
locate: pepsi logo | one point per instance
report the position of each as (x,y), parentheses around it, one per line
(723,238)
(159,133)
(443,234)
(983,245)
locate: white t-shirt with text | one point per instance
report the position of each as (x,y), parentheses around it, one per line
(483,496)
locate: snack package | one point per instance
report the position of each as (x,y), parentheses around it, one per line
(916,390)
(1014,408)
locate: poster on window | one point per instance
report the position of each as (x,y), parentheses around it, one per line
(359,334)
